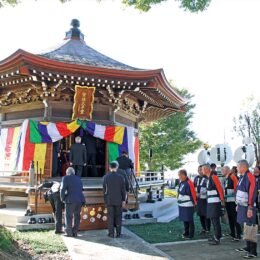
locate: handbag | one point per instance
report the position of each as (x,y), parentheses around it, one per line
(250,232)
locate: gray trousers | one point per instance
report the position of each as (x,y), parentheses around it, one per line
(72,211)
(114,217)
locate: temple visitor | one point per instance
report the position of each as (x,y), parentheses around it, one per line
(115,199)
(234,171)
(125,163)
(200,183)
(53,196)
(246,206)
(186,201)
(230,185)
(91,146)
(71,193)
(215,197)
(257,183)
(78,156)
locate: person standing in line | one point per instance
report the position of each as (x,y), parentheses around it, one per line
(234,171)
(200,183)
(257,181)
(230,185)
(187,200)
(215,199)
(115,199)
(78,156)
(71,193)
(246,204)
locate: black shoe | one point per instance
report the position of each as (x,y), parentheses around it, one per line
(111,235)
(211,239)
(235,239)
(59,232)
(118,235)
(215,242)
(249,256)
(75,234)
(31,221)
(202,232)
(185,237)
(241,250)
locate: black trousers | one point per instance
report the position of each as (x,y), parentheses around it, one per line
(251,247)
(205,223)
(189,229)
(72,212)
(57,207)
(78,170)
(114,217)
(217,227)
(235,228)
(91,160)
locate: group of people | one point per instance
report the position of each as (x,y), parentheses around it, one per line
(68,194)
(237,195)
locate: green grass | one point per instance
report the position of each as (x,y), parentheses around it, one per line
(42,241)
(169,232)
(6,240)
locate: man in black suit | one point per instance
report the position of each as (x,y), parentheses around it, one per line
(115,197)
(91,145)
(125,163)
(71,193)
(53,195)
(78,156)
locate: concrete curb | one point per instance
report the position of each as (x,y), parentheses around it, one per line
(152,246)
(180,242)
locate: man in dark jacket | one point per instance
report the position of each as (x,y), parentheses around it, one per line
(115,197)
(91,145)
(72,195)
(53,195)
(78,156)
(125,163)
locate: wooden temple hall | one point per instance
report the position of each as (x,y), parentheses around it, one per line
(48,99)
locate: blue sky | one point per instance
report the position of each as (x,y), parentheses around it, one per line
(214,54)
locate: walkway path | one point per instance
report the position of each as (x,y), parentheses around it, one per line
(92,245)
(201,250)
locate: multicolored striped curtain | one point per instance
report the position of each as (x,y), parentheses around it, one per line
(130,144)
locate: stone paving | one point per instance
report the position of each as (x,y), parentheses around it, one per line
(91,245)
(201,250)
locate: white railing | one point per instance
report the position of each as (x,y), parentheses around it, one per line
(150,178)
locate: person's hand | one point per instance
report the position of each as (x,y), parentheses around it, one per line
(85,164)
(70,163)
(236,208)
(123,204)
(223,203)
(250,213)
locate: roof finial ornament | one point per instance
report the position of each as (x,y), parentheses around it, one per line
(75,23)
(74,32)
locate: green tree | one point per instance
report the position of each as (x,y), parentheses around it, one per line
(170,138)
(247,124)
(143,5)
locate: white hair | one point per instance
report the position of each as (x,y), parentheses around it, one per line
(244,163)
(70,171)
(78,139)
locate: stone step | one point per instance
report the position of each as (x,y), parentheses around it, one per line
(24,219)
(27,227)
(139,221)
